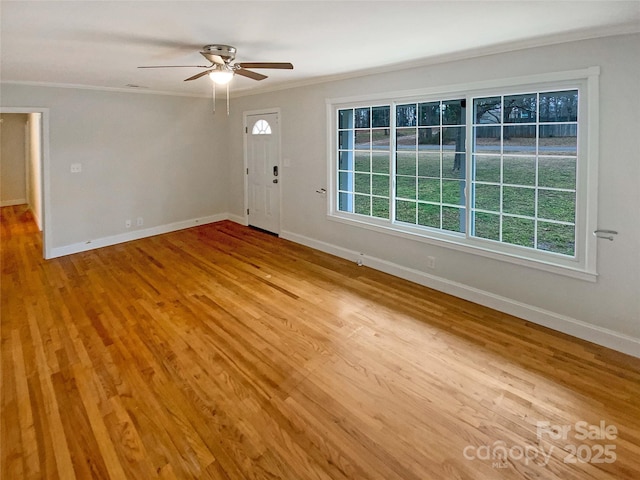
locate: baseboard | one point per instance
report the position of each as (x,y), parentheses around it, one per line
(238,219)
(11,203)
(134,235)
(562,323)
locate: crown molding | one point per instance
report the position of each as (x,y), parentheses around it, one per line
(73,86)
(558,39)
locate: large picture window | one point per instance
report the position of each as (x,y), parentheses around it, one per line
(503,170)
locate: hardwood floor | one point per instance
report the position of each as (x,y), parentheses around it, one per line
(224,353)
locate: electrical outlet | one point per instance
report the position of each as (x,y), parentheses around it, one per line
(127,223)
(140,222)
(76,167)
(431,262)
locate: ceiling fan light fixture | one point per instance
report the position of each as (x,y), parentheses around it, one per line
(221,77)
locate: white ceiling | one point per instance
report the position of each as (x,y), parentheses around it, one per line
(100,43)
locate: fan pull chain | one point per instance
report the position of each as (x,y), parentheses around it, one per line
(227,99)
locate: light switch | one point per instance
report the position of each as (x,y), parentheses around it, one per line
(76,167)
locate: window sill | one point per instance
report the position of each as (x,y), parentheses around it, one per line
(462,244)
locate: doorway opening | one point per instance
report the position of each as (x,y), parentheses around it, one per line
(25,168)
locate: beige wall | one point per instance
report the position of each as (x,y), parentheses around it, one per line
(159,157)
(13,185)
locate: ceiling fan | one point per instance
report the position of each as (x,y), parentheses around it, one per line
(222,68)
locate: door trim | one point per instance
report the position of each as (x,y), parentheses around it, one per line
(45,167)
(245,135)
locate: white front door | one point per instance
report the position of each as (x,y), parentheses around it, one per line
(263,171)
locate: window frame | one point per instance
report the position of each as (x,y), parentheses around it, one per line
(586,81)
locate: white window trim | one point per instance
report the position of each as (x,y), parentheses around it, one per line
(583,266)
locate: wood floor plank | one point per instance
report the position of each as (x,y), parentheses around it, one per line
(51,409)
(13,452)
(25,415)
(89,396)
(88,461)
(220,352)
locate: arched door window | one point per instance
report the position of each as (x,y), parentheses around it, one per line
(261,127)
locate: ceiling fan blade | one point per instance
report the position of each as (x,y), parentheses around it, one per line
(217,59)
(250,74)
(198,75)
(177,66)
(281,65)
